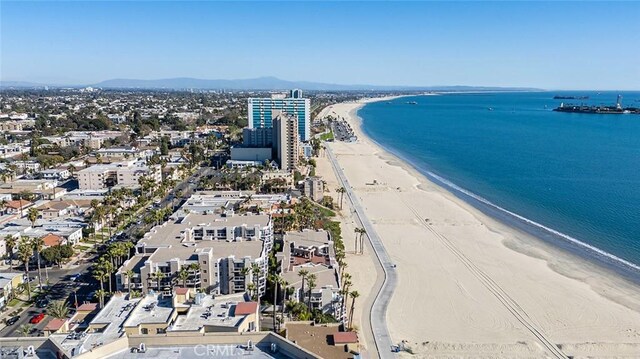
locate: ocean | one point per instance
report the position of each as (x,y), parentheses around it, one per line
(570,179)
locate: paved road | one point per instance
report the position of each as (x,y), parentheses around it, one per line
(61,289)
(378,312)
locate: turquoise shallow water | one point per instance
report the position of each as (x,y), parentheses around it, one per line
(577,174)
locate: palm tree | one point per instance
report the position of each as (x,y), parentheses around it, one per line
(303,273)
(58,309)
(342,191)
(245,272)
(100,275)
(357,231)
(311,282)
(107,268)
(38,244)
(157,276)
(362,233)
(129,274)
(251,287)
(10,243)
(255,271)
(353,296)
(25,251)
(100,293)
(32,215)
(25,329)
(183,275)
(276,280)
(72,169)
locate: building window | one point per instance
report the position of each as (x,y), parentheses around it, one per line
(144,331)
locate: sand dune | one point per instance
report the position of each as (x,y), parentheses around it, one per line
(470,286)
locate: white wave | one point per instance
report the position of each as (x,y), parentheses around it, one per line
(533,223)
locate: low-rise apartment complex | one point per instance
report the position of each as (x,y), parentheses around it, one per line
(218,253)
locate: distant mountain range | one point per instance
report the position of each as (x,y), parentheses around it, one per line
(260,83)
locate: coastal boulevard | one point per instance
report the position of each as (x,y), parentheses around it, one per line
(386,276)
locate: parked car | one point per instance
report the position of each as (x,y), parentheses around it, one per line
(42,303)
(36,318)
(13,320)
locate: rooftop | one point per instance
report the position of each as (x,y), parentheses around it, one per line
(151,309)
(325,276)
(221,311)
(317,339)
(174,230)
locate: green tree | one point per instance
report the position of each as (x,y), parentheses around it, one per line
(10,243)
(311,283)
(100,294)
(183,275)
(158,276)
(58,309)
(38,244)
(303,273)
(32,215)
(25,329)
(341,191)
(353,296)
(25,251)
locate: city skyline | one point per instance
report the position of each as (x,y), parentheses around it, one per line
(513,44)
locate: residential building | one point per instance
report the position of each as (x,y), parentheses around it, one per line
(57,174)
(261,113)
(257,154)
(28,166)
(243,164)
(314,251)
(224,248)
(13,149)
(124,153)
(325,296)
(125,174)
(257,137)
(306,150)
(314,188)
(286,140)
(8,283)
(286,177)
(184,312)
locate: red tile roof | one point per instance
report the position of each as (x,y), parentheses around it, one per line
(55,324)
(88,307)
(181,290)
(345,338)
(246,308)
(51,240)
(16,204)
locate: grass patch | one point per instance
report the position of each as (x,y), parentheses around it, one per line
(327,136)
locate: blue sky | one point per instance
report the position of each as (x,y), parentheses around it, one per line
(553,45)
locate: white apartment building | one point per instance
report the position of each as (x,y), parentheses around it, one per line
(222,246)
(125,174)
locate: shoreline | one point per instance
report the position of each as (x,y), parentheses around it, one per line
(500,252)
(548,235)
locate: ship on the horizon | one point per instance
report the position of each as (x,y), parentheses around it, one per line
(570,97)
(601,110)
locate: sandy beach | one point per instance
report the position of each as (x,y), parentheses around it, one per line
(470,286)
